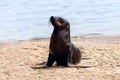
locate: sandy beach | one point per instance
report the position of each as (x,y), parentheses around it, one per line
(100,60)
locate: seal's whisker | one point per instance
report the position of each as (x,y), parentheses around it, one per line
(49,23)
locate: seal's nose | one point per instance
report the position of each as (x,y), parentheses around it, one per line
(52,18)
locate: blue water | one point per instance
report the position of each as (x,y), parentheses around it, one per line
(26,19)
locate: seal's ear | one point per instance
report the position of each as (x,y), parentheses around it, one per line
(68,24)
(59,24)
(60,21)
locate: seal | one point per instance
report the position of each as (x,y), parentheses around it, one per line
(61,49)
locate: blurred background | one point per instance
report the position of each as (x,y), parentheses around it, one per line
(27,19)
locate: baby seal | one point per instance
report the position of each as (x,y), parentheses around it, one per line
(61,49)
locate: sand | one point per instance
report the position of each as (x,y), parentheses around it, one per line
(100,60)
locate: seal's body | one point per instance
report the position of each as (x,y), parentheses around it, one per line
(61,49)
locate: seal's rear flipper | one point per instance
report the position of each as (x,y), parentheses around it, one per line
(75,55)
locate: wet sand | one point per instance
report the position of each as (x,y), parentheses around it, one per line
(100,60)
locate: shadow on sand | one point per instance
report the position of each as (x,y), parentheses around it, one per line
(43,66)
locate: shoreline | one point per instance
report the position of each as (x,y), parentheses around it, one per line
(73,37)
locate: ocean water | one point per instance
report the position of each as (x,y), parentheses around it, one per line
(26,19)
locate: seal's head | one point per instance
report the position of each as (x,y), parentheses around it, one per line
(59,23)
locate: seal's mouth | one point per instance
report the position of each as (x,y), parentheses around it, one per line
(51,18)
(53,21)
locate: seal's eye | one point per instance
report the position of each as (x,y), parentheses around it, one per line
(61,21)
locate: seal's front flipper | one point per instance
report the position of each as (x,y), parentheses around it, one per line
(50,60)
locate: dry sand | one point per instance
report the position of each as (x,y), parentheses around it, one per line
(100,60)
